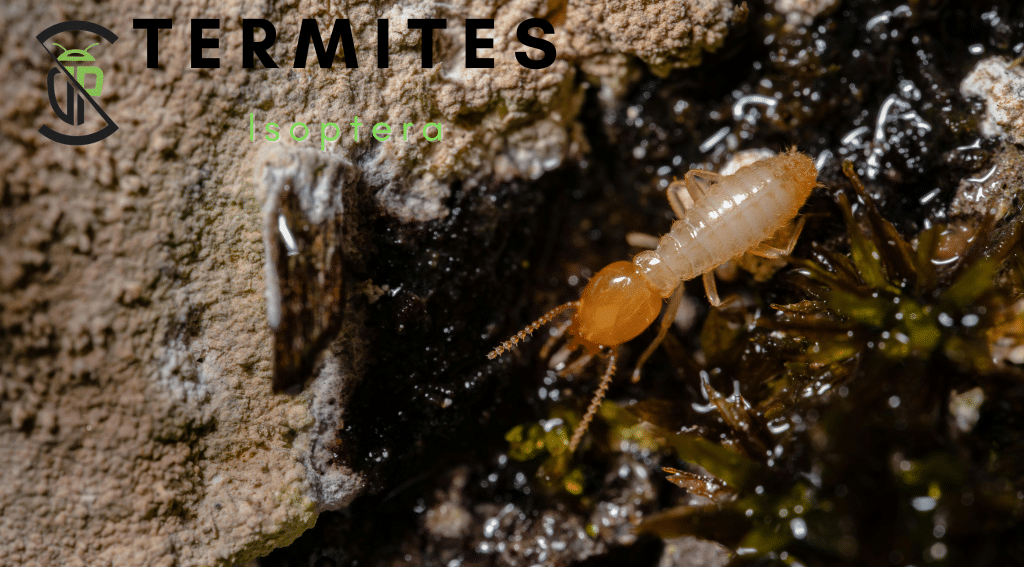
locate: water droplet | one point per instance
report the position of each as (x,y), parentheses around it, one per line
(799,528)
(923,503)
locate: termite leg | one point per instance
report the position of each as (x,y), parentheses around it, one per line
(595,403)
(560,358)
(782,242)
(558,333)
(699,181)
(667,318)
(711,289)
(576,366)
(764,250)
(798,227)
(679,198)
(642,240)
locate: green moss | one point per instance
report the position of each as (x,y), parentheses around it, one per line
(840,414)
(549,439)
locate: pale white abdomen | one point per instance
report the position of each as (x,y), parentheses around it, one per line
(733,216)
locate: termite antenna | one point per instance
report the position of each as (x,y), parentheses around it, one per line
(606,381)
(531,328)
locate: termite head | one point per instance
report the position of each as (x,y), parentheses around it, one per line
(616,305)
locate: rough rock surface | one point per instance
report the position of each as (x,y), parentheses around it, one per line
(137,423)
(1001,85)
(693,552)
(799,12)
(993,188)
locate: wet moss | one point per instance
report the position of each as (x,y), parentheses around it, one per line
(854,386)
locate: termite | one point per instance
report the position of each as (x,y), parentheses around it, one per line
(753,210)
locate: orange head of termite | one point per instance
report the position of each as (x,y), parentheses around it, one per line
(616,305)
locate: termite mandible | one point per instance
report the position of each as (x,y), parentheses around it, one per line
(718,218)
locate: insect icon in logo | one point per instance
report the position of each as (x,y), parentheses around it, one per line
(79,73)
(77,65)
(83,71)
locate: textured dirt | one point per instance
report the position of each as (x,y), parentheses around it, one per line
(137,423)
